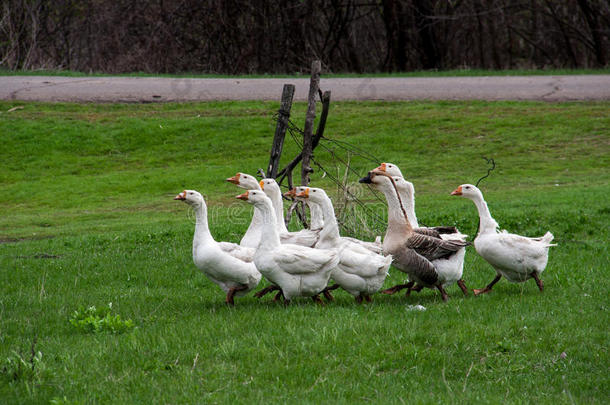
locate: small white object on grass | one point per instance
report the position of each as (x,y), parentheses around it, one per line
(416,308)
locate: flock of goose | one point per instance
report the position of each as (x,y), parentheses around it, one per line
(301,264)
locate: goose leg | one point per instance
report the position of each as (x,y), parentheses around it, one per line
(462,285)
(231,293)
(316,298)
(327,290)
(538,282)
(266,291)
(368,298)
(358,298)
(278,296)
(444,295)
(398,287)
(488,288)
(417,288)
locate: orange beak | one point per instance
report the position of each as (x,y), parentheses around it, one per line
(291,193)
(243,196)
(381,167)
(262,184)
(457,191)
(234,179)
(304,194)
(181,196)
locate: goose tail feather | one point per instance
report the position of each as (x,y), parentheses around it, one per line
(547,238)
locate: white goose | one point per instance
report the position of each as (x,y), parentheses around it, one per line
(253,234)
(297,270)
(316,224)
(419,255)
(360,271)
(304,237)
(518,258)
(236,277)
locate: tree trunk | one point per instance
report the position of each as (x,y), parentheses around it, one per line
(595,32)
(314,85)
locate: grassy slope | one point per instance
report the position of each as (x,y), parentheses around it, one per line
(93,184)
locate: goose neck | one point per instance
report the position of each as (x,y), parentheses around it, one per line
(398,222)
(270,237)
(486,222)
(278,207)
(408,203)
(330,231)
(316,215)
(202,230)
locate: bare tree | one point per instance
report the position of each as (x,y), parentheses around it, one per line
(283,36)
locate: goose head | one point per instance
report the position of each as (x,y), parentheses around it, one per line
(404,186)
(298,190)
(190,197)
(390,168)
(468,191)
(290,193)
(385,183)
(316,195)
(245,181)
(270,187)
(254,197)
(380,180)
(294,193)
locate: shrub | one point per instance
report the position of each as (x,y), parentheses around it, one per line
(95,320)
(18,367)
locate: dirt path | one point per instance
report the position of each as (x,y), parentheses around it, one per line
(134,89)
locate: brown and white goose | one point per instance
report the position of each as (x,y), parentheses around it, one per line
(413,253)
(452,268)
(444,232)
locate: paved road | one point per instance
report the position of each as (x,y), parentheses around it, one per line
(134,89)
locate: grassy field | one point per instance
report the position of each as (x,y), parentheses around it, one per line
(88,219)
(420,73)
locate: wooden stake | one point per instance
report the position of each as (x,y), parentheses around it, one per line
(314,85)
(286,172)
(280,130)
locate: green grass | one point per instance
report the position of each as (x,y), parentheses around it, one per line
(88,219)
(419,73)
